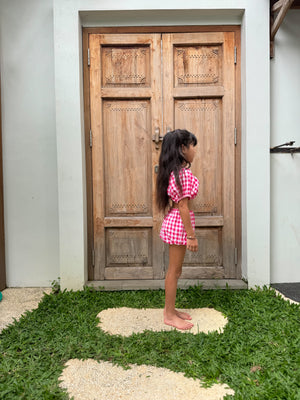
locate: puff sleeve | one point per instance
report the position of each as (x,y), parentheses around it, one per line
(189,183)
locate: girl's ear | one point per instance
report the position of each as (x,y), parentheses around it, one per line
(181,150)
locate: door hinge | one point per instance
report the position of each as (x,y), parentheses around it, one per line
(91,139)
(235,54)
(235,256)
(93,258)
(89,58)
(235,136)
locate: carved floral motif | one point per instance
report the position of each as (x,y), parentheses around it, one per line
(199,106)
(128,207)
(124,54)
(125,66)
(197,65)
(139,107)
(125,79)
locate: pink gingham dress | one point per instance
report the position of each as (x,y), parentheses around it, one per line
(172,230)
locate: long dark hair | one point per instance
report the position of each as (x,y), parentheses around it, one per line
(171,159)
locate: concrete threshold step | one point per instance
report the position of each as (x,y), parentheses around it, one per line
(160,284)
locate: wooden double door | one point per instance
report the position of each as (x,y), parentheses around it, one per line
(142,85)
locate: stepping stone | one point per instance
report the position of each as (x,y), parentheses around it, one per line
(16,301)
(126,321)
(90,379)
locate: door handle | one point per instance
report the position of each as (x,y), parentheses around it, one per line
(157,138)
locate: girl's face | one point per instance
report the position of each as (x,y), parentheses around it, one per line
(189,152)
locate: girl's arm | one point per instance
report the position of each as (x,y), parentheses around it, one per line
(192,244)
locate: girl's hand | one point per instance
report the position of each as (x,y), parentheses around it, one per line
(192,244)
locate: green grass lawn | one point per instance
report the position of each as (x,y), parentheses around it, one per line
(257,355)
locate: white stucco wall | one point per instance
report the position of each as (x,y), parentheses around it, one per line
(285,169)
(255,144)
(29,142)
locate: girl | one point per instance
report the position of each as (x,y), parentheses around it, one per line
(176,185)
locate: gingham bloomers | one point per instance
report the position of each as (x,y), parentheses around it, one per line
(172,230)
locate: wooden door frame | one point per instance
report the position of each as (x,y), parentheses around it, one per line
(2,242)
(87,122)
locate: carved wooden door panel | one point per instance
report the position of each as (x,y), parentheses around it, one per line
(199,95)
(125,87)
(130,104)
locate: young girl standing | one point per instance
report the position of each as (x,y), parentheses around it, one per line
(176,185)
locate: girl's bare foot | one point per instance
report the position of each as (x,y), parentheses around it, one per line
(183,315)
(177,322)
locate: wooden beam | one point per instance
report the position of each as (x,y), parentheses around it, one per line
(286,4)
(276,6)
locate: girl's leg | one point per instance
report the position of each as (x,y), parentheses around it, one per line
(171,316)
